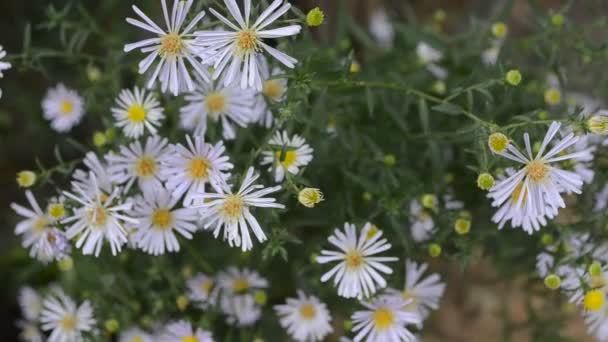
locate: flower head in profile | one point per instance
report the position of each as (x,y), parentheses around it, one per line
(231,211)
(139,162)
(30,303)
(202,290)
(173,47)
(429,57)
(98,217)
(160,221)
(422,293)
(274,88)
(190,169)
(385,320)
(306,318)
(534,191)
(213,102)
(3,65)
(357,273)
(66,320)
(186,332)
(237,51)
(238,288)
(286,155)
(63,107)
(137,111)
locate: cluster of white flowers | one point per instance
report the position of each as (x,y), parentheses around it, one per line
(3,65)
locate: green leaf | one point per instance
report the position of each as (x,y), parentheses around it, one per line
(447,108)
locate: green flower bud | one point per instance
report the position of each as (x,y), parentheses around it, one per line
(315,17)
(513,77)
(434,250)
(552,282)
(485,181)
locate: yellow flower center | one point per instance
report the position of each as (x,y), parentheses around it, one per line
(206,286)
(353,259)
(66,107)
(190,338)
(290,157)
(216,103)
(308,311)
(594,300)
(145,167)
(553,96)
(383,318)
(273,89)
(240,285)
(136,113)
(247,41)
(199,168)
(171,45)
(537,170)
(233,206)
(56,210)
(68,322)
(161,218)
(98,216)
(498,142)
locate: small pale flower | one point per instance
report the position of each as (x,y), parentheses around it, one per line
(237,51)
(99,168)
(202,290)
(309,197)
(381,28)
(286,155)
(159,221)
(34,228)
(305,318)
(273,91)
(385,320)
(185,332)
(357,273)
(63,107)
(66,320)
(189,169)
(238,288)
(217,103)
(232,211)
(141,163)
(3,65)
(173,47)
(135,334)
(429,57)
(136,112)
(30,303)
(421,220)
(98,218)
(30,332)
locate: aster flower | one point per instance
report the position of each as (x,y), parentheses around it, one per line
(99,168)
(357,273)
(287,155)
(3,65)
(188,169)
(533,192)
(385,320)
(97,219)
(202,290)
(66,320)
(273,90)
(30,303)
(173,46)
(429,57)
(137,111)
(381,28)
(139,163)
(159,221)
(215,102)
(184,331)
(239,287)
(422,223)
(135,334)
(232,211)
(29,332)
(305,318)
(423,293)
(63,107)
(237,51)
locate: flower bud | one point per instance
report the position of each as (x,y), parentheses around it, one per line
(309,197)
(553,96)
(26,178)
(462,226)
(112,325)
(182,303)
(389,160)
(498,142)
(500,29)
(485,181)
(355,67)
(552,282)
(434,250)
(513,77)
(557,20)
(99,139)
(315,17)
(429,201)
(598,124)
(260,297)
(595,269)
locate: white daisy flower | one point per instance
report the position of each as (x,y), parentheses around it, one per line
(232,211)
(30,303)
(239,287)
(3,65)
(135,334)
(202,290)
(173,47)
(273,90)
(385,320)
(241,47)
(65,319)
(533,192)
(188,169)
(490,55)
(214,102)
(99,168)
(305,318)
(34,228)
(159,220)
(30,332)
(63,107)
(137,111)
(381,28)
(184,331)
(423,293)
(422,224)
(357,273)
(429,57)
(97,219)
(139,163)
(287,155)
